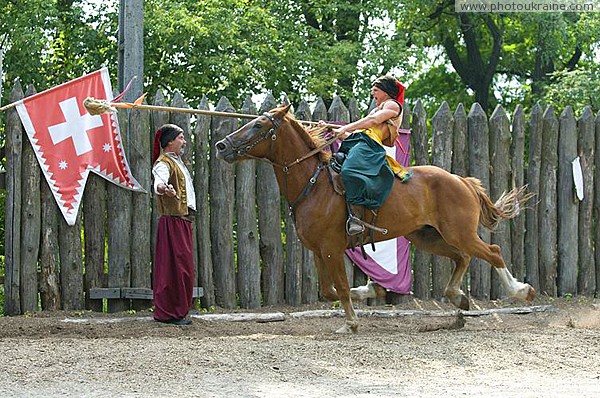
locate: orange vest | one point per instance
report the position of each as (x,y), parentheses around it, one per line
(171,206)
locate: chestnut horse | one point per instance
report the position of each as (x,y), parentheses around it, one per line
(435,210)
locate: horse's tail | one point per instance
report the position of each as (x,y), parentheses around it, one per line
(508,206)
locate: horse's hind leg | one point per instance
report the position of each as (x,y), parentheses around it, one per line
(491,254)
(428,238)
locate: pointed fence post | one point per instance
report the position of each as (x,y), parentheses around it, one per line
(567,205)
(442,126)
(201,188)
(548,217)
(119,238)
(534,165)
(141,210)
(517,225)
(222,189)
(479,163)
(500,141)
(586,280)
(269,225)
(248,256)
(30,224)
(597,203)
(420,144)
(49,282)
(460,155)
(12,227)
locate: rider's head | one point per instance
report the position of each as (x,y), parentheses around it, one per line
(391,87)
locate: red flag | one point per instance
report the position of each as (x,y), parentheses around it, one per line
(69,142)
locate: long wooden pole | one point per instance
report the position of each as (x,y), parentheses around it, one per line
(97,107)
(107,107)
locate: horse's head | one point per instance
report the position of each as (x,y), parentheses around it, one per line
(254,139)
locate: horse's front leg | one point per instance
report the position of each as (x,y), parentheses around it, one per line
(325,282)
(334,263)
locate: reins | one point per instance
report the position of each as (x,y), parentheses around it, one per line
(276,123)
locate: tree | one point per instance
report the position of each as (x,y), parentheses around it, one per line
(488,50)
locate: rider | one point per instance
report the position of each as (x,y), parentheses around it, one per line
(367,172)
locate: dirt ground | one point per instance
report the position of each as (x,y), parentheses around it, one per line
(554,353)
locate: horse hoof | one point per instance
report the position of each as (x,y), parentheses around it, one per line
(530,294)
(364,292)
(348,329)
(460,301)
(464,303)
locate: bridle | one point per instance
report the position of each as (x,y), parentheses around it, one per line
(243,149)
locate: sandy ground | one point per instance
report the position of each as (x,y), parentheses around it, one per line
(555,353)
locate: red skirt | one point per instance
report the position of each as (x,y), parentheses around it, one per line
(173,276)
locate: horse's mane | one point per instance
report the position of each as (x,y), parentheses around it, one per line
(313,137)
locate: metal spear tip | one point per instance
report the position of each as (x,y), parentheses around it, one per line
(97,107)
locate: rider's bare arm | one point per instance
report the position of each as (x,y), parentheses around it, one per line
(389,110)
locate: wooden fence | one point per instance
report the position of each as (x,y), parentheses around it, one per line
(248,254)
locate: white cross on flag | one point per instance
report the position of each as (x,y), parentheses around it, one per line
(69,142)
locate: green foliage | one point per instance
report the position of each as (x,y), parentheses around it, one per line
(578,88)
(50,42)
(310,48)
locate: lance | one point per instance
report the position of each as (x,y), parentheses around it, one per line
(97,107)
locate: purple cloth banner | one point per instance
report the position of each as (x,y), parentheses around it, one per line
(389,264)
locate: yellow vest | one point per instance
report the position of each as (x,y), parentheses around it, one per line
(171,206)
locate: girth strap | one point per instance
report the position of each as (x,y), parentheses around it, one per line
(306,191)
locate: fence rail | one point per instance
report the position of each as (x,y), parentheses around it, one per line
(247,250)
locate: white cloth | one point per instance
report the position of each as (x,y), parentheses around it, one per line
(161,176)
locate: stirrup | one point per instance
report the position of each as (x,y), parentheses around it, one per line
(353,227)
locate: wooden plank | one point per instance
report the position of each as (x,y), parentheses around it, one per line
(547,216)
(105,293)
(201,187)
(222,182)
(269,224)
(422,313)
(129,293)
(139,293)
(30,225)
(500,141)
(241,317)
(12,226)
(248,255)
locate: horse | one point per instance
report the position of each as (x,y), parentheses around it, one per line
(436,210)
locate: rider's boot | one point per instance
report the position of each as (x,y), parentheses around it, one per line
(353,227)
